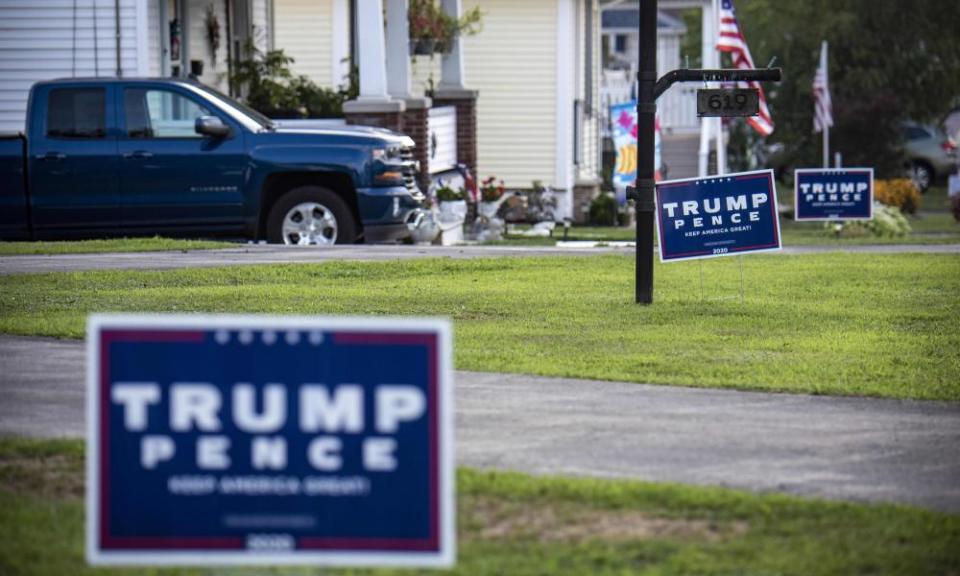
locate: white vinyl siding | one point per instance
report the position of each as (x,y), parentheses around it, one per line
(512,63)
(154,39)
(304,30)
(47,40)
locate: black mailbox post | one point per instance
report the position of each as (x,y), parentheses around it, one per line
(650,88)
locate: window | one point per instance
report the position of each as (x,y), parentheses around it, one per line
(621,43)
(915,133)
(160,114)
(77,113)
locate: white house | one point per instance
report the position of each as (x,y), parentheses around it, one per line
(46,39)
(530,80)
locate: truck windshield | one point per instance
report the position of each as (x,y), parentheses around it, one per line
(240,111)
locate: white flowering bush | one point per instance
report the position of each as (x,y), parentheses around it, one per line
(888,222)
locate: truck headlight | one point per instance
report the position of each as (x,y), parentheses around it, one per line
(389,154)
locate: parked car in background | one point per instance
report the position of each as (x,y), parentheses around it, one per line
(109,157)
(929,154)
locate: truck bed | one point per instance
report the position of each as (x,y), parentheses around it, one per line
(13,190)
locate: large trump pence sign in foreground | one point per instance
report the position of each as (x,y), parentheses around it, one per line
(719,216)
(240,440)
(838,194)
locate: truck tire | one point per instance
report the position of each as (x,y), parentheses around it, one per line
(311,215)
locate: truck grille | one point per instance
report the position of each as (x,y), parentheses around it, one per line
(410,170)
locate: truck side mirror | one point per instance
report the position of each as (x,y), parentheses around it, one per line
(211,126)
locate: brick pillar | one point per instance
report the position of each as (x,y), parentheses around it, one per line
(383,114)
(416,126)
(466,104)
(584,191)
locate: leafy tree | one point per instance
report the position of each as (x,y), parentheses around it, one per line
(890,61)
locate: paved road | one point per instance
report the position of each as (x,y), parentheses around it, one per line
(844,448)
(263,254)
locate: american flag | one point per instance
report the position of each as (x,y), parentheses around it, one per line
(731,40)
(822,106)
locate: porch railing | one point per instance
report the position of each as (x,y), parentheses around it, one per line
(677,107)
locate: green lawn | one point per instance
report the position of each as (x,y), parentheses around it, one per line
(516,524)
(111,245)
(932,225)
(834,323)
(936,228)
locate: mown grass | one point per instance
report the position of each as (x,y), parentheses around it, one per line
(928,229)
(932,225)
(110,245)
(516,524)
(834,323)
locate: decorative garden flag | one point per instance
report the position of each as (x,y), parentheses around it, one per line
(624,120)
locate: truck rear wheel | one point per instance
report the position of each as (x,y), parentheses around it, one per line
(311,215)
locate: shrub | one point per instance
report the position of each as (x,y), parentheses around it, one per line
(901,193)
(274,90)
(603,210)
(448,194)
(888,222)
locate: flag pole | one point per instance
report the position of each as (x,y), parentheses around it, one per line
(718,122)
(826,127)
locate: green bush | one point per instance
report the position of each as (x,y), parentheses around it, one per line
(888,222)
(603,210)
(274,90)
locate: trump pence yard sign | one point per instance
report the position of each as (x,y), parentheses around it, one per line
(717,216)
(833,194)
(255,440)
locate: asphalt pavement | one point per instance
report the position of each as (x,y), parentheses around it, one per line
(837,448)
(267,254)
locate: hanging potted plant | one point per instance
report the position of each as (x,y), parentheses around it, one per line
(433,31)
(422,18)
(452,28)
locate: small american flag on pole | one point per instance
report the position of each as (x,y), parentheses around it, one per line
(730,39)
(822,106)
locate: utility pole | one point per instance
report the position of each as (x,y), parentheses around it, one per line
(650,88)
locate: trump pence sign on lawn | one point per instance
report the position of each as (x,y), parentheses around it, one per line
(837,194)
(717,216)
(254,440)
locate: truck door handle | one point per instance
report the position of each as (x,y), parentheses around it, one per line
(51,157)
(137,155)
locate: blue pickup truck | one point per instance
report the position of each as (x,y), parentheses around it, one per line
(110,157)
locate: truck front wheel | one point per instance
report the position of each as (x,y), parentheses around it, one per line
(311,215)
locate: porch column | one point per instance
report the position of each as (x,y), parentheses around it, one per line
(417,115)
(373,107)
(452,91)
(398,49)
(451,71)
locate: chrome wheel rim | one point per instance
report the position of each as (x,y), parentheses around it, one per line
(310,224)
(921,176)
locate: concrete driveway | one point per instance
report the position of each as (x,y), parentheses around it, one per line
(839,448)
